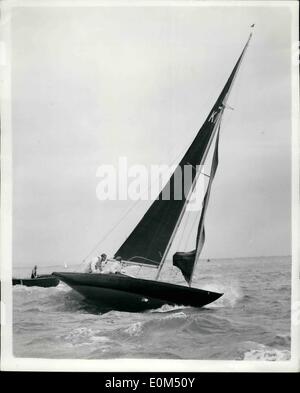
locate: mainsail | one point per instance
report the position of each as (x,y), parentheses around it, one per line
(151,239)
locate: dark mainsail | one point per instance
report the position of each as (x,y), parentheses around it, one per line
(150,239)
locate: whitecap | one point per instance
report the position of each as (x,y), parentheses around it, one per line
(177,315)
(257,351)
(167,308)
(134,329)
(100,339)
(267,354)
(78,334)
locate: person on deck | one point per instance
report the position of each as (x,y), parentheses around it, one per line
(96,264)
(90,267)
(101,262)
(114,266)
(34,272)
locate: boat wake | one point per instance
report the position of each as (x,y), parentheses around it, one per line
(232,293)
(166,308)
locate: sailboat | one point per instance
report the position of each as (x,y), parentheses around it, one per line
(150,241)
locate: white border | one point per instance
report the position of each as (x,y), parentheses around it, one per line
(9,362)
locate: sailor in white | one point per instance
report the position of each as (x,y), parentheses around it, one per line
(101,262)
(96,264)
(90,267)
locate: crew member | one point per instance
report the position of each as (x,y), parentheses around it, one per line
(90,267)
(101,262)
(114,266)
(34,272)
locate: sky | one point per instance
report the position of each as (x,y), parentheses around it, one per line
(92,84)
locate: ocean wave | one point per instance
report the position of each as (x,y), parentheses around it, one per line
(144,354)
(176,315)
(267,354)
(207,324)
(25,326)
(135,329)
(167,308)
(48,300)
(189,322)
(31,290)
(258,351)
(281,340)
(248,322)
(162,322)
(84,336)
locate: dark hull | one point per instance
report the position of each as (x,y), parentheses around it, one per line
(45,281)
(124,293)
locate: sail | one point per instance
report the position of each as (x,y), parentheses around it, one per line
(150,239)
(185,261)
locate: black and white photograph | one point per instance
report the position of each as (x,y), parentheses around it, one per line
(150,186)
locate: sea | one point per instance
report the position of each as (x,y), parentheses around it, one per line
(251,321)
